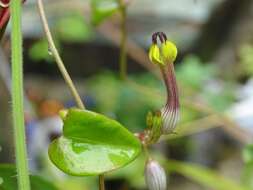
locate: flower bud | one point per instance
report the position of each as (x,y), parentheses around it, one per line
(155,176)
(169,51)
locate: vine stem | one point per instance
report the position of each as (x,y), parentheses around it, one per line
(17,96)
(123,59)
(57,57)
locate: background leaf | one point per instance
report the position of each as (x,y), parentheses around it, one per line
(102,9)
(72,28)
(39,51)
(203,176)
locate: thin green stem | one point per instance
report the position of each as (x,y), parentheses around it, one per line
(123,58)
(57,57)
(17,96)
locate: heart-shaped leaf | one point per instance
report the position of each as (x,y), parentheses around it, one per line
(92,144)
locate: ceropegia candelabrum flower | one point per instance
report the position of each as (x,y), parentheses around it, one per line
(164,56)
(155,176)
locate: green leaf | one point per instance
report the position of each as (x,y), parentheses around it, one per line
(102,9)
(8,180)
(92,144)
(203,176)
(73,29)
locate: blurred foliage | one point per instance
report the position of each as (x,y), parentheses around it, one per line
(220,96)
(102,9)
(121,101)
(247,177)
(201,79)
(39,51)
(246,59)
(73,28)
(70,28)
(8,179)
(77,183)
(203,176)
(193,74)
(208,178)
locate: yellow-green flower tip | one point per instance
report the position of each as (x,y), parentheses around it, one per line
(154,54)
(169,51)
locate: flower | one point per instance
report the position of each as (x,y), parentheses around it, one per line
(155,176)
(165,57)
